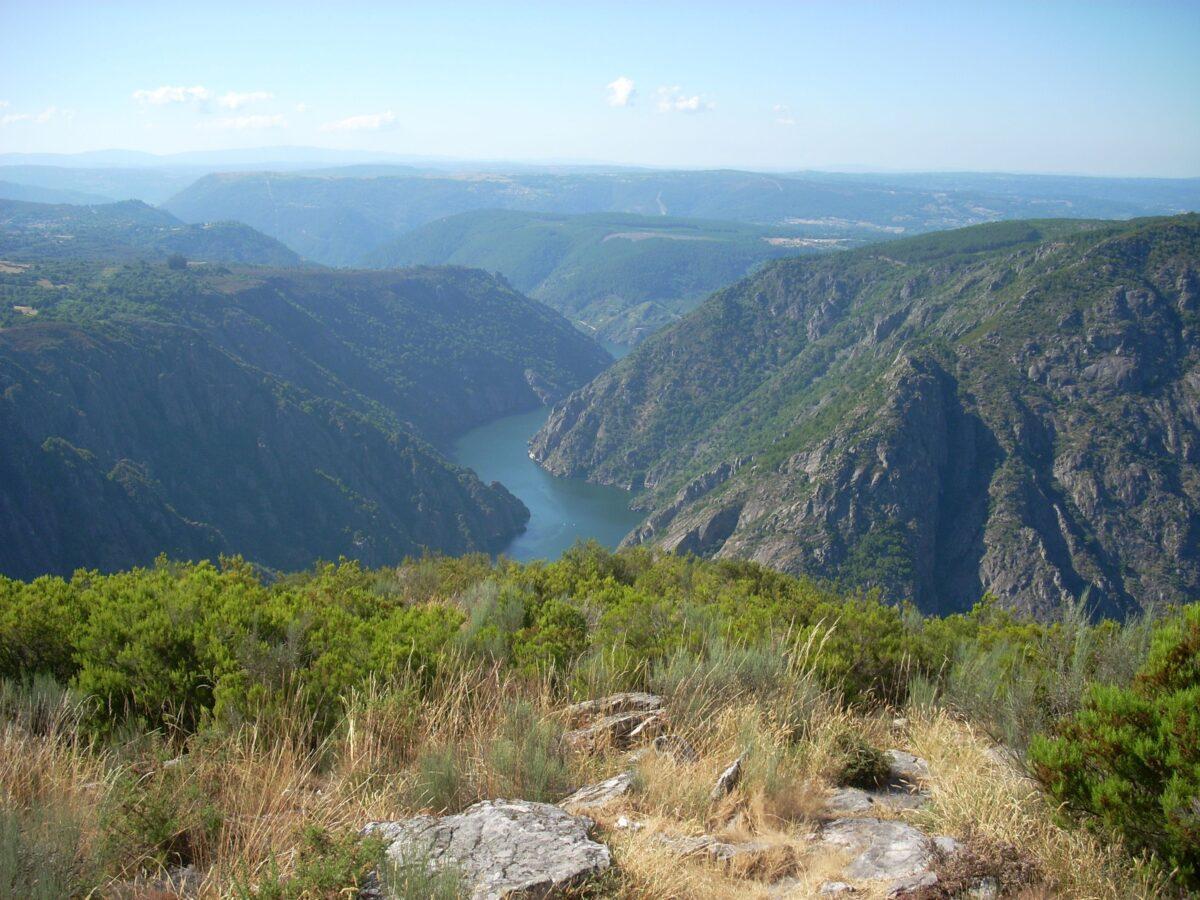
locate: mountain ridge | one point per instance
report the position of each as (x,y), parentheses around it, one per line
(286,414)
(820,365)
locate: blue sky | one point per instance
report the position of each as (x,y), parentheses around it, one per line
(1100,88)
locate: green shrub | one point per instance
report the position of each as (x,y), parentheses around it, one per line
(860,764)
(527,759)
(418,880)
(38,855)
(326,866)
(556,638)
(442,782)
(1129,760)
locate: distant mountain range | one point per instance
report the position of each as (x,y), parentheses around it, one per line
(1010,409)
(338,219)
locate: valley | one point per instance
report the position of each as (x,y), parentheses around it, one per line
(562,511)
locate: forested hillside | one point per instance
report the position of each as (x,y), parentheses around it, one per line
(1008,409)
(290,414)
(128,231)
(620,276)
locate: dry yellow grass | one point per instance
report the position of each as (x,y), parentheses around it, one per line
(268,783)
(974,790)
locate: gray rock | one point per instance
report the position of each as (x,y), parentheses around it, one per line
(500,847)
(594,796)
(905,887)
(677,747)
(882,849)
(835,888)
(855,800)
(649,728)
(614,731)
(630,701)
(849,800)
(707,845)
(728,779)
(906,767)
(946,845)
(984,889)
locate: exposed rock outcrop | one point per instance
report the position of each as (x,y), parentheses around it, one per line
(500,848)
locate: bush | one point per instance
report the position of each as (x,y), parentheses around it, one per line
(38,857)
(860,764)
(1129,760)
(326,866)
(527,759)
(442,782)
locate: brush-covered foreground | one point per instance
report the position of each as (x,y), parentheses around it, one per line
(197,730)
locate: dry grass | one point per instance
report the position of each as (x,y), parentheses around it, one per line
(974,791)
(479,734)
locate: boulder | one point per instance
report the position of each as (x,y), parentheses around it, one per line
(907,768)
(650,728)
(728,779)
(610,731)
(594,796)
(501,848)
(880,848)
(630,701)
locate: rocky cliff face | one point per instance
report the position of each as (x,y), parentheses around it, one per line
(1010,409)
(285,417)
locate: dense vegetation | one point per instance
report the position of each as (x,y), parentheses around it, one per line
(939,416)
(1130,758)
(126,232)
(338,216)
(381,678)
(290,413)
(621,276)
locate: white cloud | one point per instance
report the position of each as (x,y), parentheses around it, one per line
(302,108)
(49,114)
(621,91)
(3,104)
(248,123)
(370,122)
(783,115)
(673,99)
(236,100)
(161,96)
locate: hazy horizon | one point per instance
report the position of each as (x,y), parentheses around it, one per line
(315,156)
(1070,89)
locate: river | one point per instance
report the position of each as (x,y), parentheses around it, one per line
(561,510)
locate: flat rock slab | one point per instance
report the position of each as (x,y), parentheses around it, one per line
(882,849)
(707,845)
(855,800)
(500,847)
(594,796)
(630,701)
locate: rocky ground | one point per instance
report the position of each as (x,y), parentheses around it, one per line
(854,842)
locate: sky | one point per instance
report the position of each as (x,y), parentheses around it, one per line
(1089,88)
